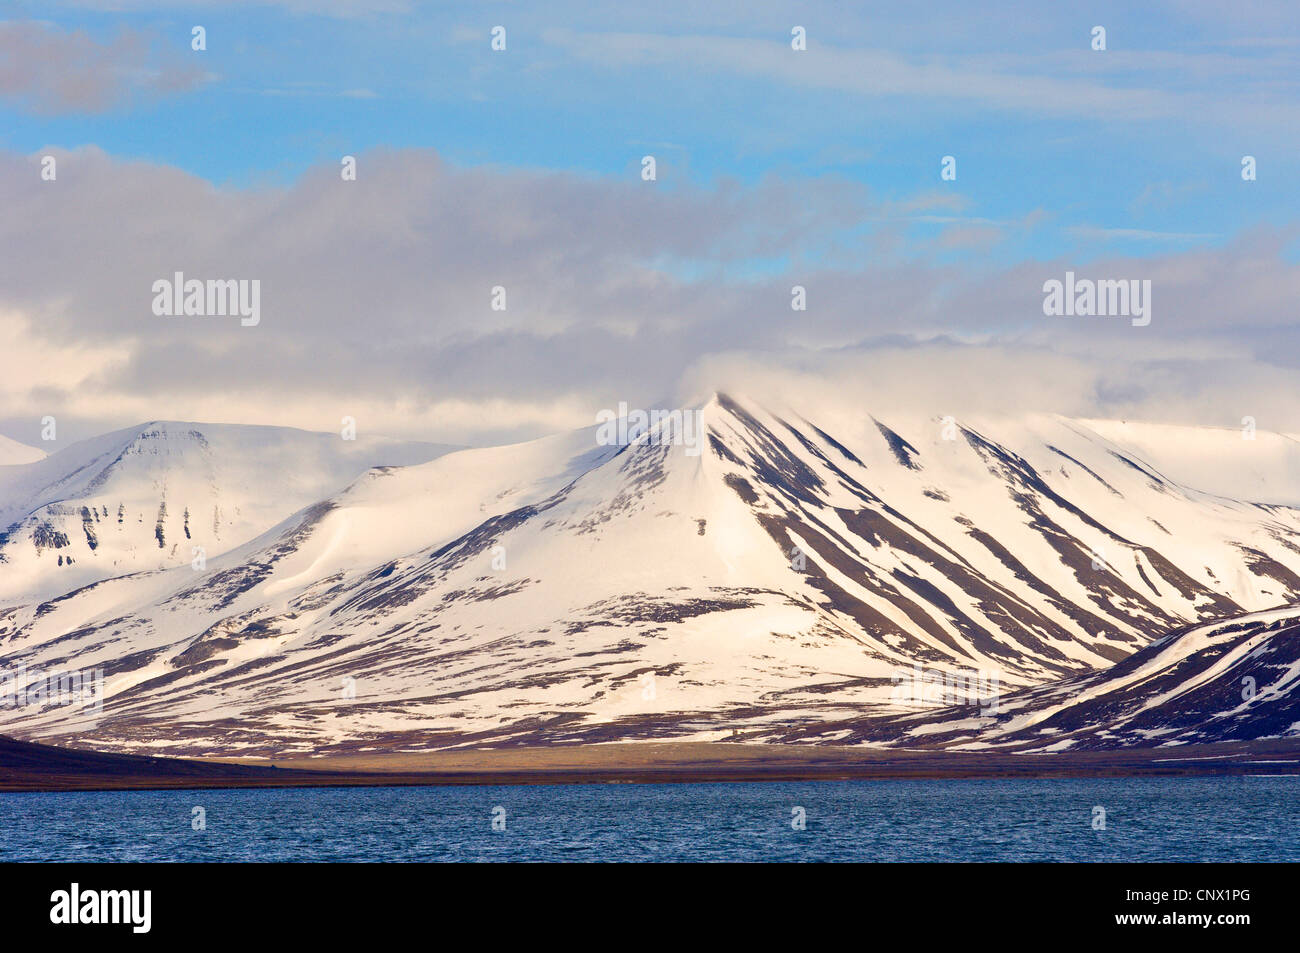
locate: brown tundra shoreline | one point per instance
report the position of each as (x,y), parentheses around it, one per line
(29,766)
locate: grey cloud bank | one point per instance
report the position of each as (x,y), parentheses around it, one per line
(51,71)
(377,298)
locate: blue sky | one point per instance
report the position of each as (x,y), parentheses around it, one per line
(823,162)
(290,89)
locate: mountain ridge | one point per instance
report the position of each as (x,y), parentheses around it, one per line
(66,520)
(558,590)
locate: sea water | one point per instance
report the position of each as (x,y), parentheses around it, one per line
(1112,819)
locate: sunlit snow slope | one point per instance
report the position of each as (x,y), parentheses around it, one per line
(160,494)
(560,590)
(12,452)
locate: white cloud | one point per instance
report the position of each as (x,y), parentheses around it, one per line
(376,301)
(1067,81)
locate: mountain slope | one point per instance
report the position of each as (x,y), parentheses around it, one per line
(159,494)
(14,453)
(1226,681)
(563,590)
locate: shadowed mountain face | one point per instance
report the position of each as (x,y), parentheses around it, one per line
(1222,682)
(774,580)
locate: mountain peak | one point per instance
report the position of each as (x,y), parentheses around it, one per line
(781,577)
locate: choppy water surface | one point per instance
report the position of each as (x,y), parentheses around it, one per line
(1199,819)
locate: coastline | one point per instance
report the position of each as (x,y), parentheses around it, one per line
(33,767)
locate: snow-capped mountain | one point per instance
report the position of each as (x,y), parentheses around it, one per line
(1237,680)
(562,589)
(12,452)
(161,494)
